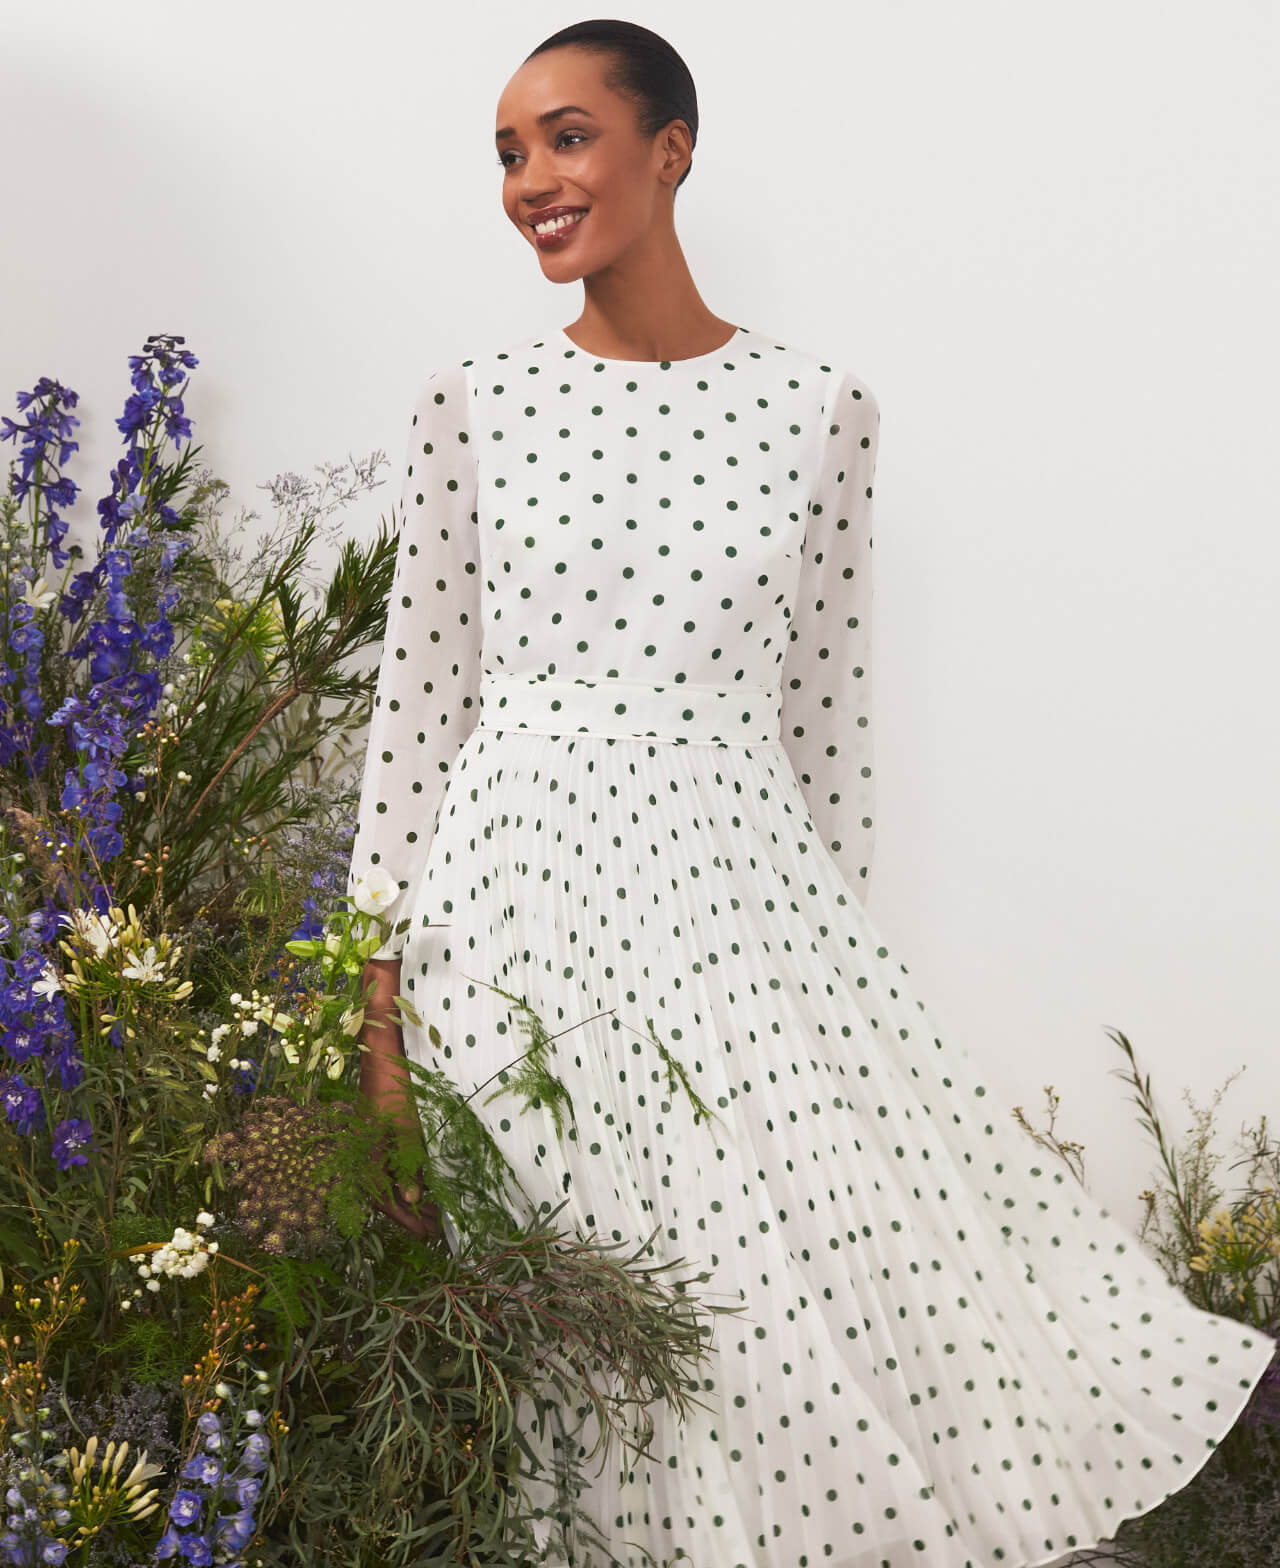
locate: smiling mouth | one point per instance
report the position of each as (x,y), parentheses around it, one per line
(561,226)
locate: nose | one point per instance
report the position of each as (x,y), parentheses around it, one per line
(537,186)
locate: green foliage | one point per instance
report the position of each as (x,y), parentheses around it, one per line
(1224,1253)
(227,1228)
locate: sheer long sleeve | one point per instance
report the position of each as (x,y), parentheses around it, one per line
(427,698)
(826,679)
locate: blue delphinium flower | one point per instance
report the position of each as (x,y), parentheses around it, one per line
(118,647)
(197,1530)
(186,1505)
(203,1468)
(33,1017)
(235,1531)
(40,465)
(246,1489)
(23,1103)
(169,1543)
(253,1456)
(26,1542)
(71,1138)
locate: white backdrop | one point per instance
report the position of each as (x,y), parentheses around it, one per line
(1047,239)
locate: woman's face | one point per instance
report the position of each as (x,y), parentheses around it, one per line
(569,145)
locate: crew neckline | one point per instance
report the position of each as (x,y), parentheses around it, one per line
(690,359)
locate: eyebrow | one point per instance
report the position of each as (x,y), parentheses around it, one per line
(546,118)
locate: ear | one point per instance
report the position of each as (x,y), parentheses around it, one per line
(675,150)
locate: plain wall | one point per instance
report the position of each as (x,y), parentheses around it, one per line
(1047,238)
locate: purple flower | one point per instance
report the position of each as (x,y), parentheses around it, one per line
(33,1020)
(235,1531)
(246,1488)
(23,1103)
(186,1505)
(22,1044)
(253,1455)
(203,1468)
(169,1542)
(209,1421)
(70,1137)
(195,1548)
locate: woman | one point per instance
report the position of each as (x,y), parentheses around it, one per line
(621,764)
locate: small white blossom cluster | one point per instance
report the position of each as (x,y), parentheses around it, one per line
(183,1256)
(252,1010)
(172,692)
(171,710)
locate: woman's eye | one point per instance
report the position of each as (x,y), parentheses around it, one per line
(503,156)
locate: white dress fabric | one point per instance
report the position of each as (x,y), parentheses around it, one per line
(620,762)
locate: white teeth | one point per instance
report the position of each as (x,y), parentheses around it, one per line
(558,223)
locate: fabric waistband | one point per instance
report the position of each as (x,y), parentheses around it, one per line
(677,711)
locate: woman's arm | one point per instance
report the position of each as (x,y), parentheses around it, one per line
(385,1081)
(428,695)
(425,706)
(826,680)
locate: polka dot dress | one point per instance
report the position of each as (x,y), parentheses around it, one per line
(621,764)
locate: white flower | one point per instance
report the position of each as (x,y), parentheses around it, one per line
(48,985)
(335,1061)
(204,1218)
(213,1054)
(153,1284)
(145,966)
(38,594)
(97,930)
(248,1026)
(222,1390)
(375,892)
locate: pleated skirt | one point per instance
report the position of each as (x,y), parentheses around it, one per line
(946,1353)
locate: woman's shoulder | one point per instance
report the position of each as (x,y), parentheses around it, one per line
(832,372)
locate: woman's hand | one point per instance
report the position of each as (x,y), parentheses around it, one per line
(384,1079)
(407,1207)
